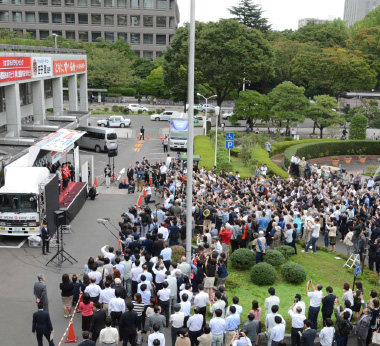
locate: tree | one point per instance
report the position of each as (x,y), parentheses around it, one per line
(370,109)
(154,83)
(250,15)
(358,127)
(323,112)
(288,103)
(143,67)
(251,105)
(326,71)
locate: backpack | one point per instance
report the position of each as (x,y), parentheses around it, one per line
(238,234)
(346,329)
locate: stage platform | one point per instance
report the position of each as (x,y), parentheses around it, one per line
(72,199)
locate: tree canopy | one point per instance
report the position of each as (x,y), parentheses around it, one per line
(251,105)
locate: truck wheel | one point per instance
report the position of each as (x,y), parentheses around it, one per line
(122,125)
(102,125)
(157,119)
(97,148)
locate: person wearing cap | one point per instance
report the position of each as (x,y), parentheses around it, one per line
(261,247)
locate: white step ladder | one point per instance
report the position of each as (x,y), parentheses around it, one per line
(353,261)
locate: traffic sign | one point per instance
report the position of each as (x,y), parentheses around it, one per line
(230,136)
(229,144)
(357,270)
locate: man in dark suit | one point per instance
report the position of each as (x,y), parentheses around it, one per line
(130,173)
(42,325)
(98,321)
(363,327)
(128,326)
(328,304)
(40,292)
(308,336)
(86,341)
(45,236)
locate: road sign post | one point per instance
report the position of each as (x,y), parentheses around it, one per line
(230,143)
(357,272)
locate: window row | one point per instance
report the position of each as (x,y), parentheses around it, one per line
(84,18)
(138,4)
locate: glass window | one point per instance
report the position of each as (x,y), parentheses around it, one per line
(83,18)
(17,17)
(57,32)
(57,18)
(135,38)
(30,17)
(2,99)
(4,16)
(137,53)
(135,3)
(161,4)
(69,3)
(95,3)
(122,3)
(161,40)
(148,3)
(95,36)
(31,34)
(148,38)
(109,3)
(122,36)
(161,22)
(29,2)
(83,36)
(43,2)
(70,35)
(148,21)
(122,20)
(14,2)
(171,22)
(135,20)
(158,55)
(109,36)
(172,4)
(109,19)
(56,2)
(4,2)
(44,34)
(148,54)
(43,17)
(48,86)
(70,18)
(96,19)
(82,3)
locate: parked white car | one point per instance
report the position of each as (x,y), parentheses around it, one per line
(115,121)
(164,115)
(210,108)
(227,116)
(135,107)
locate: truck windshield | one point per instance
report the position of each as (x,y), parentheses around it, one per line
(111,136)
(18,203)
(179,135)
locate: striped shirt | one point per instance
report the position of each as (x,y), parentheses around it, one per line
(138,307)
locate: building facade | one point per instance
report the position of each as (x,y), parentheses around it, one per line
(147,25)
(355,10)
(305,21)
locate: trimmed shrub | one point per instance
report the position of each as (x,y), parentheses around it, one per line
(177,252)
(293,273)
(263,274)
(115,108)
(280,147)
(139,111)
(358,127)
(106,109)
(286,250)
(242,258)
(274,257)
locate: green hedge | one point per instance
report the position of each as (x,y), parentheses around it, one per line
(274,257)
(280,147)
(202,147)
(332,148)
(261,156)
(123,91)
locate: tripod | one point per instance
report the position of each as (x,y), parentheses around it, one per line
(61,255)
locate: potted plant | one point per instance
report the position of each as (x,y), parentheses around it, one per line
(348,158)
(335,161)
(362,159)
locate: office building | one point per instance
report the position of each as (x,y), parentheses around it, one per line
(305,21)
(147,25)
(355,10)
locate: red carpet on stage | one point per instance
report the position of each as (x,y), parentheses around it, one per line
(67,196)
(72,199)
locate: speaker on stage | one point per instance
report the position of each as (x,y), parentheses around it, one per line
(59,218)
(112,152)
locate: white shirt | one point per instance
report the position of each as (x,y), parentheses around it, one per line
(164,294)
(168,160)
(93,290)
(297,319)
(217,325)
(177,319)
(326,336)
(110,255)
(108,335)
(303,307)
(185,308)
(278,332)
(242,342)
(270,323)
(315,298)
(195,322)
(160,274)
(163,169)
(116,304)
(190,295)
(269,302)
(315,230)
(156,335)
(164,231)
(148,286)
(201,299)
(172,285)
(106,295)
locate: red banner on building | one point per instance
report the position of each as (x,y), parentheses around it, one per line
(69,66)
(15,68)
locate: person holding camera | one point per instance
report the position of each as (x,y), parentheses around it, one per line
(240,339)
(315,302)
(298,319)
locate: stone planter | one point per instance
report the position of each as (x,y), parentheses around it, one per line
(362,159)
(335,162)
(347,160)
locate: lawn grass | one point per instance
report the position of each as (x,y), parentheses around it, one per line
(203,147)
(322,268)
(241,167)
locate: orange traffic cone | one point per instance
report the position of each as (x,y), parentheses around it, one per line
(125,181)
(71,338)
(148,136)
(144,193)
(150,181)
(139,201)
(80,301)
(160,137)
(138,137)
(119,246)
(95,182)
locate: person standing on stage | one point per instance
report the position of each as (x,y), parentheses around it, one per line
(65,176)
(107,174)
(45,236)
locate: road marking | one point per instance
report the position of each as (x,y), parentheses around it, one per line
(14,247)
(141,141)
(139,145)
(136,150)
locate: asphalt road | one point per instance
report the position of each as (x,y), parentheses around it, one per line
(21,266)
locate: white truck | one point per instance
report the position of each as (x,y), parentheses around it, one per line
(29,195)
(179,131)
(166,115)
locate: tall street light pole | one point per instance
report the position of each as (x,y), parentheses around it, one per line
(55,40)
(190,141)
(217,111)
(205,118)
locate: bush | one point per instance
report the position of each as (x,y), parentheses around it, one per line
(106,109)
(333,148)
(139,111)
(358,127)
(293,273)
(274,257)
(279,148)
(115,109)
(123,91)
(177,252)
(263,274)
(113,95)
(242,258)
(286,250)
(125,110)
